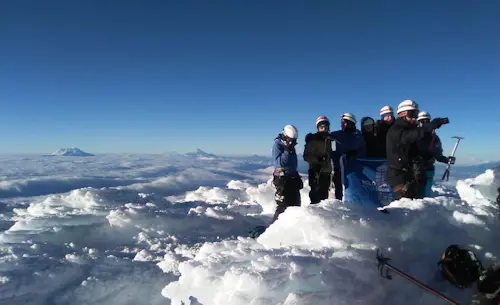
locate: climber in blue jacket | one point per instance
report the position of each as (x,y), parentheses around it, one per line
(349,142)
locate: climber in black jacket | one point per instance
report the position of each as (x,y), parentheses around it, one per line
(382,128)
(402,148)
(318,154)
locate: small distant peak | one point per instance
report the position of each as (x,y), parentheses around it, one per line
(73,151)
(201,153)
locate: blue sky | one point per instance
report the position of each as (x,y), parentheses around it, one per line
(225,76)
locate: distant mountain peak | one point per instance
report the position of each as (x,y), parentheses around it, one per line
(201,153)
(72,151)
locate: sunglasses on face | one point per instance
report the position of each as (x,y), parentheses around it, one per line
(412,114)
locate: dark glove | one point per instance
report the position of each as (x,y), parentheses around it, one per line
(438,122)
(451,160)
(288,146)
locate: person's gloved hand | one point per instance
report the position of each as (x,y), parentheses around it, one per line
(288,145)
(438,122)
(451,160)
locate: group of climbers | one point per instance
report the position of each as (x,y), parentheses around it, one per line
(408,142)
(410,145)
(320,156)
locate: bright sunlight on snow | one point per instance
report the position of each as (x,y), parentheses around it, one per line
(173,229)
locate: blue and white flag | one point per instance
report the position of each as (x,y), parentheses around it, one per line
(365,182)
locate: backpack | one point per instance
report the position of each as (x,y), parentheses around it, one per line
(488,287)
(460,266)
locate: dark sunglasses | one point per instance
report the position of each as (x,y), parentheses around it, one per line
(412,114)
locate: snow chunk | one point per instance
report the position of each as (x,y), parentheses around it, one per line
(467,218)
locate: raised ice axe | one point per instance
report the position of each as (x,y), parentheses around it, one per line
(446,173)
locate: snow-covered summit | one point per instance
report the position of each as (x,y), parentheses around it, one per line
(73,151)
(201,153)
(115,229)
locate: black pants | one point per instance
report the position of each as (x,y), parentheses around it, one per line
(287,193)
(337,182)
(320,185)
(420,174)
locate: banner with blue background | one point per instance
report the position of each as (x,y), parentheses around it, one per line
(364,181)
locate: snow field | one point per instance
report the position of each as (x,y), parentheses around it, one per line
(181,239)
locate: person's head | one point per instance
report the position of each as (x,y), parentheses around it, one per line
(368,125)
(348,122)
(423,118)
(323,124)
(387,114)
(290,132)
(408,110)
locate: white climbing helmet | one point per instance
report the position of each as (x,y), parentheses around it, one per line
(386,109)
(291,131)
(423,115)
(349,116)
(322,119)
(407,105)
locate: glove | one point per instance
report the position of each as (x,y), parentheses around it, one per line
(451,160)
(288,146)
(438,122)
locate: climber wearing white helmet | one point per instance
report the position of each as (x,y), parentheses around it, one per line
(350,142)
(382,127)
(318,154)
(430,150)
(402,149)
(286,178)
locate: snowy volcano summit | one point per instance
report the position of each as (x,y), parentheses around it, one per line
(200,153)
(73,151)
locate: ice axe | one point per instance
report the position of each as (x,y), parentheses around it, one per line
(383,262)
(446,174)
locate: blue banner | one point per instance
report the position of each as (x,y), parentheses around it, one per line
(365,182)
